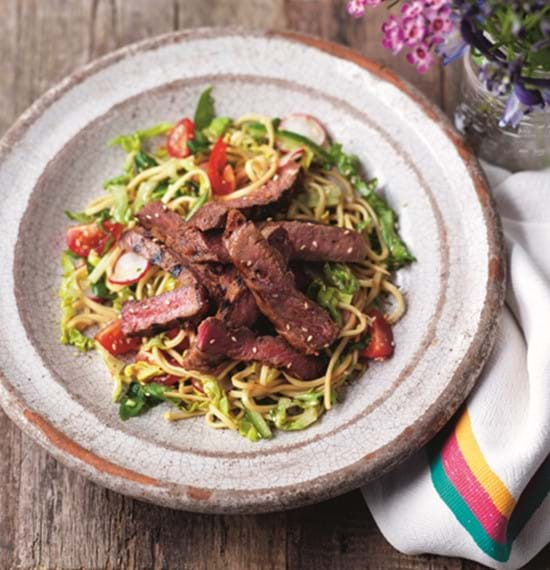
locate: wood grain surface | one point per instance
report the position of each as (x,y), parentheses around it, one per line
(52,518)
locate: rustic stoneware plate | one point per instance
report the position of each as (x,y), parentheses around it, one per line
(56,157)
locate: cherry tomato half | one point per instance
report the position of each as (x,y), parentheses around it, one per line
(113,340)
(83,239)
(176,139)
(381,345)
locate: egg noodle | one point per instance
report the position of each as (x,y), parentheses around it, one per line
(246,396)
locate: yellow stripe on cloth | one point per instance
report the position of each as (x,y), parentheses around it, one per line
(487,478)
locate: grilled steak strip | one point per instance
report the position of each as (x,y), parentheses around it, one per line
(304,324)
(214,338)
(317,242)
(190,243)
(139,241)
(272,191)
(163,311)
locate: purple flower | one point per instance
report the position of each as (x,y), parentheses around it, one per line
(520,102)
(421,57)
(441,25)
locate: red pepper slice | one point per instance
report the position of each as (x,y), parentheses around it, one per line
(113,340)
(176,139)
(221,174)
(83,239)
(381,345)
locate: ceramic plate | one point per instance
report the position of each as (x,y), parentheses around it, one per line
(56,157)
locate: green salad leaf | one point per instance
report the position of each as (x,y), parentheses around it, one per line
(133,141)
(140,398)
(204,113)
(348,166)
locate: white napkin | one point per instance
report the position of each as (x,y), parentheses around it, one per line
(480,490)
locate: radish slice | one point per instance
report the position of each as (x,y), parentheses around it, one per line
(294,155)
(305,125)
(129,269)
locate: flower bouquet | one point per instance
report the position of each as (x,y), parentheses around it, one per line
(506,45)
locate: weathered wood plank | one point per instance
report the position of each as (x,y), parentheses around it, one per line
(53,518)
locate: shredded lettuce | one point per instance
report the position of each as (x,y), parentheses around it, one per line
(217,128)
(328,297)
(340,276)
(217,397)
(133,141)
(68,293)
(79,340)
(142,370)
(253,426)
(348,166)
(80,217)
(121,210)
(310,412)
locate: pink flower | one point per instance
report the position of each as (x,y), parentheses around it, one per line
(356,8)
(413,29)
(393,36)
(420,57)
(413,9)
(441,25)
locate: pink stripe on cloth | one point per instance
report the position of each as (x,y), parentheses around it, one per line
(477,498)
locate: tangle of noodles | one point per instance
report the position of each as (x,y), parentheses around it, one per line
(242,390)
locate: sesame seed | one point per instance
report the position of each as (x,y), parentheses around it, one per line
(270,219)
(306,305)
(304,329)
(167,302)
(287,327)
(254,350)
(212,341)
(148,217)
(289,365)
(275,295)
(347,232)
(276,177)
(156,214)
(309,338)
(314,243)
(249,263)
(233,339)
(350,249)
(302,247)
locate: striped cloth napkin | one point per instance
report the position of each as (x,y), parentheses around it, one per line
(480,490)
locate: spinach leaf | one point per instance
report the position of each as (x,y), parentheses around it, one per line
(204,114)
(141,398)
(143,161)
(199,144)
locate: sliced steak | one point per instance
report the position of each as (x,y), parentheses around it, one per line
(271,192)
(163,311)
(318,242)
(139,241)
(214,338)
(185,239)
(304,324)
(210,217)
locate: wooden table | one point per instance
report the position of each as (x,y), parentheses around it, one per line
(53,518)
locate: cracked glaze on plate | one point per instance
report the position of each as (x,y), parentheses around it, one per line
(56,158)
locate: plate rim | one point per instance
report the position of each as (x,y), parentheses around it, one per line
(415,436)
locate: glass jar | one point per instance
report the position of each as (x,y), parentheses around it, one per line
(477,116)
